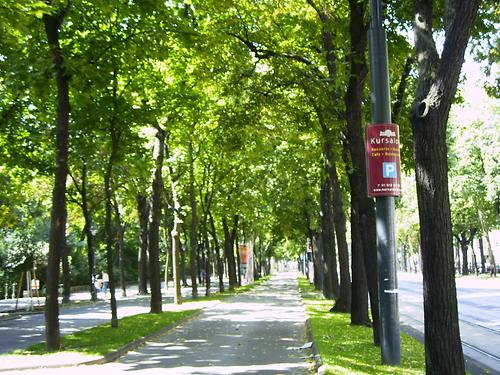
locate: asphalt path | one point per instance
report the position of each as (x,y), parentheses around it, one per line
(479,314)
(259,332)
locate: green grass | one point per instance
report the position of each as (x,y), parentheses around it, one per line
(346,349)
(103,339)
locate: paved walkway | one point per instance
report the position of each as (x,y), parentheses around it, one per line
(259,332)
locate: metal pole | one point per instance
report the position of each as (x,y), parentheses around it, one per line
(386,239)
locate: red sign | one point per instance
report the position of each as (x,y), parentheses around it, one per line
(243,254)
(383,160)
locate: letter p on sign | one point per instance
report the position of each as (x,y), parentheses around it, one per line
(389,170)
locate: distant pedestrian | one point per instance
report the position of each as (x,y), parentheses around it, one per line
(105,282)
(203,276)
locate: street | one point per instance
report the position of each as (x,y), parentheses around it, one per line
(479,311)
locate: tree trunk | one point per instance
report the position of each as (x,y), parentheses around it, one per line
(108,226)
(491,255)
(359,199)
(343,302)
(330,281)
(318,262)
(462,240)
(474,260)
(143,212)
(436,87)
(57,236)
(66,275)
(483,258)
(359,300)
(182,247)
(154,225)
(238,261)
(176,242)
(120,245)
(229,237)
(193,243)
(207,264)
(89,234)
(220,270)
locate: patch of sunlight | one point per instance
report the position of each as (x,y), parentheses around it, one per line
(176,347)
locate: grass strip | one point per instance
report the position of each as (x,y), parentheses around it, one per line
(103,339)
(347,349)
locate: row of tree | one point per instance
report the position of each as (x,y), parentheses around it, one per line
(217,122)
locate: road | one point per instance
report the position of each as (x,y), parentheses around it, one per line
(479,314)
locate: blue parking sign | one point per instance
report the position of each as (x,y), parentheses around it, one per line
(389,170)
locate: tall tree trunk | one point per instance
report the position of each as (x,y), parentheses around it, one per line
(318,262)
(220,270)
(57,236)
(343,291)
(359,300)
(491,255)
(207,264)
(330,281)
(66,275)
(463,242)
(483,258)
(89,234)
(154,225)
(359,199)
(183,259)
(193,243)
(143,212)
(229,237)
(176,248)
(238,260)
(436,87)
(120,246)
(108,226)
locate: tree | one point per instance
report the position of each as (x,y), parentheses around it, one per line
(154,225)
(57,243)
(437,83)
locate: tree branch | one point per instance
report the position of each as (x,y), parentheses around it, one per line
(264,54)
(400,96)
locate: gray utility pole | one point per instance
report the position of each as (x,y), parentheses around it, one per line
(386,238)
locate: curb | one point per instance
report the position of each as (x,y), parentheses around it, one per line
(318,363)
(114,355)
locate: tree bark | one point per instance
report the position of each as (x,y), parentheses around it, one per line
(359,200)
(57,236)
(437,83)
(120,245)
(193,243)
(89,234)
(483,258)
(229,237)
(66,275)
(143,212)
(154,225)
(176,248)
(219,261)
(491,255)
(107,224)
(330,281)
